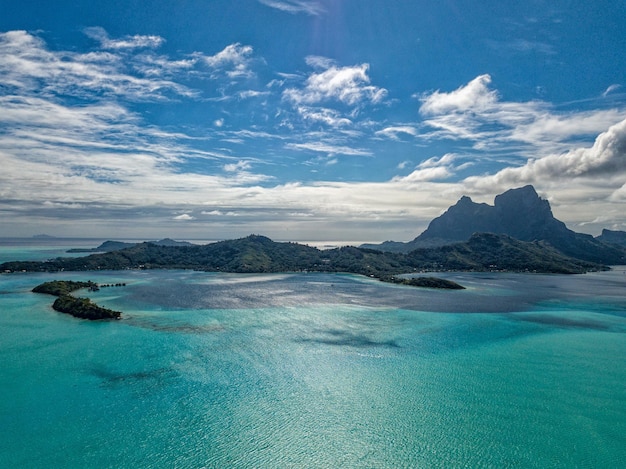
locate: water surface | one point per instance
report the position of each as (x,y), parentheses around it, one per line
(316,370)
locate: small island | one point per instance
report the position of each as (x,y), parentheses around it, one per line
(426,282)
(82,308)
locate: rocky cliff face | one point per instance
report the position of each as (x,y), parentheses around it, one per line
(519,213)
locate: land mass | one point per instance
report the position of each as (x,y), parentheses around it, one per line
(427,282)
(82,308)
(258,254)
(521,214)
(109,246)
(519,233)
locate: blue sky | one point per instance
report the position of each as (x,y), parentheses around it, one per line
(344,120)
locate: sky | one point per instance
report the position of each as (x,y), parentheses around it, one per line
(305,120)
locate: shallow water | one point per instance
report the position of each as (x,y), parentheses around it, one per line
(316,370)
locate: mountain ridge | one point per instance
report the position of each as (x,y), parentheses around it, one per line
(259,254)
(519,213)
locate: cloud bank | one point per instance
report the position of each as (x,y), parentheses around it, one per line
(78,149)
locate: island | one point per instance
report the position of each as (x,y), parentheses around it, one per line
(259,254)
(109,246)
(82,308)
(426,282)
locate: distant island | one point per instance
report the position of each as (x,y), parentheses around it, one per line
(427,282)
(109,246)
(82,308)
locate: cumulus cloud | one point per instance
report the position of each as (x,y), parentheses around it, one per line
(432,169)
(71,147)
(475,96)
(606,158)
(476,113)
(348,85)
(184,217)
(234,60)
(332,96)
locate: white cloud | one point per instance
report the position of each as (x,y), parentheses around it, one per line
(475,97)
(234,60)
(219,213)
(605,159)
(128,42)
(97,160)
(474,112)
(238,166)
(348,85)
(611,89)
(544,129)
(184,217)
(26,65)
(319,62)
(433,162)
(619,195)
(151,65)
(310,7)
(394,132)
(432,169)
(326,116)
(252,94)
(330,149)
(426,174)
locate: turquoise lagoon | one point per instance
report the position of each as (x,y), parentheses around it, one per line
(316,370)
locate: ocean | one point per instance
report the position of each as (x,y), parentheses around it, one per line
(313,371)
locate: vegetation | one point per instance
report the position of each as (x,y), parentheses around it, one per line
(487,251)
(83,308)
(427,282)
(258,254)
(78,307)
(62,287)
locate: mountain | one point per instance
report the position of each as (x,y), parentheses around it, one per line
(519,213)
(109,246)
(489,251)
(258,254)
(613,237)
